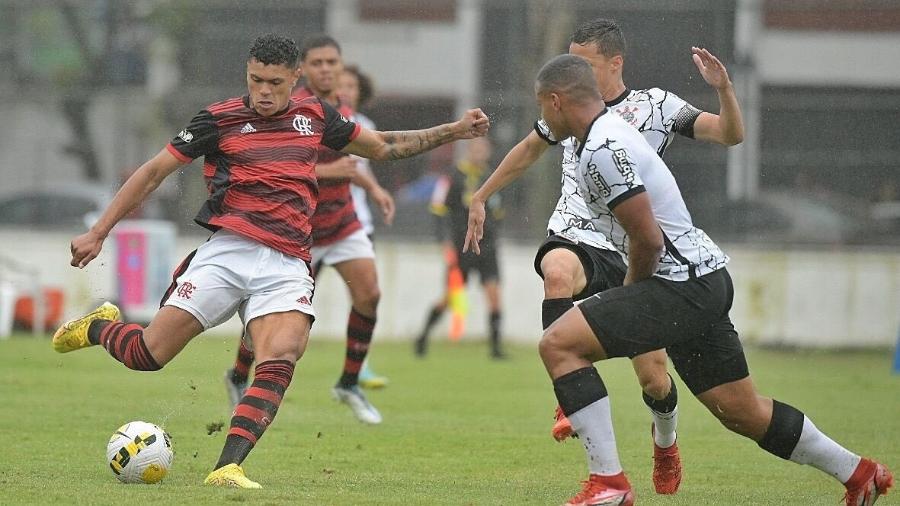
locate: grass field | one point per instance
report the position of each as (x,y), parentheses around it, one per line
(459,429)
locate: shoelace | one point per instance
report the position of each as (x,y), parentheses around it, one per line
(588,489)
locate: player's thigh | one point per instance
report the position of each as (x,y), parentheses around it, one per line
(563,272)
(280,335)
(361,278)
(169,332)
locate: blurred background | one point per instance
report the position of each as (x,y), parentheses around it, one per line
(808,205)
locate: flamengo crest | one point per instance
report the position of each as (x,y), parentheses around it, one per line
(303,125)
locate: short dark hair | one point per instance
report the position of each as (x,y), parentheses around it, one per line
(570,75)
(316,41)
(366,88)
(605,33)
(274,49)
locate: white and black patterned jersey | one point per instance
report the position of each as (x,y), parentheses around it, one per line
(656,113)
(615,163)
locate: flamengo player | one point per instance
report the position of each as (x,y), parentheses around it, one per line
(676,295)
(338,238)
(260,156)
(576,260)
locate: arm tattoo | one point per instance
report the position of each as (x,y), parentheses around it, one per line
(412,142)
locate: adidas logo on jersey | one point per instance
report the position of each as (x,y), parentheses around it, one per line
(248,129)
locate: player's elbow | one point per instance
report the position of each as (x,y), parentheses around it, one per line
(734,138)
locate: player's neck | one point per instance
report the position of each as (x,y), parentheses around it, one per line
(583,117)
(612,91)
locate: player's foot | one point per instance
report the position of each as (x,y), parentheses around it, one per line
(369,379)
(73,335)
(562,428)
(353,397)
(230,476)
(869,481)
(597,492)
(666,468)
(498,354)
(235,388)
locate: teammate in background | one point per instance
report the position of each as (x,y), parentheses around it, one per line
(260,156)
(355,89)
(676,295)
(450,203)
(337,234)
(577,261)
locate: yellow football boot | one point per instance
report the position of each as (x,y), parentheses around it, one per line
(230,476)
(73,335)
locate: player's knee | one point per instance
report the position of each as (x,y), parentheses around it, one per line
(552,344)
(558,282)
(366,299)
(654,384)
(744,418)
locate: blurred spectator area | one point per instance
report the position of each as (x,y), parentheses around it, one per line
(93,88)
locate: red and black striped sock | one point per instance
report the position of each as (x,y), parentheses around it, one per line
(125,342)
(359,335)
(256,410)
(241,370)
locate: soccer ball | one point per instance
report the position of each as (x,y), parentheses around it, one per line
(139,452)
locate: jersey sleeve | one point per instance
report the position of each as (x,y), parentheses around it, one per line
(609,175)
(679,114)
(339,131)
(200,137)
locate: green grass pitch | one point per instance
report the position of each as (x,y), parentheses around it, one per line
(459,429)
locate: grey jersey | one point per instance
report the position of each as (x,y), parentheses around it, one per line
(656,113)
(615,163)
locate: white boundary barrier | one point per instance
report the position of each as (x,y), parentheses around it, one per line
(843,299)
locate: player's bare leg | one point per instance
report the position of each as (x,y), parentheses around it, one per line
(420,345)
(786,432)
(362,281)
(279,340)
(568,349)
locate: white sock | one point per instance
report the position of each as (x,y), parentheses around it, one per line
(593,424)
(664,427)
(818,450)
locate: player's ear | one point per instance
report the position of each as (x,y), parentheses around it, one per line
(617,61)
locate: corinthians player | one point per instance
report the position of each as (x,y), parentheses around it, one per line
(577,261)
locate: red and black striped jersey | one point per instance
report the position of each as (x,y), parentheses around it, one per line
(335,216)
(260,171)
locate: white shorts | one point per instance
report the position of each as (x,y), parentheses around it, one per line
(354,246)
(230,273)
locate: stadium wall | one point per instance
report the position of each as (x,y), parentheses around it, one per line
(831,299)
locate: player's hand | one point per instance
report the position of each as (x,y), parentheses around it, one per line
(712,70)
(85,248)
(474,123)
(475,230)
(385,202)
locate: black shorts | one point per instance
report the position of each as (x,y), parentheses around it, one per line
(484,264)
(604,269)
(687,318)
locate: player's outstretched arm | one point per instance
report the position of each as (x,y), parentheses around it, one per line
(514,164)
(396,145)
(147,178)
(645,239)
(727,127)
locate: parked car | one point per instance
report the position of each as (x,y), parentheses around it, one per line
(57,206)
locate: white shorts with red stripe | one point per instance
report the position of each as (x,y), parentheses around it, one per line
(231,273)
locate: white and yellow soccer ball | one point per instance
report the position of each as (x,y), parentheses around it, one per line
(139,452)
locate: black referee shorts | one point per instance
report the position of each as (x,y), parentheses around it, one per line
(687,318)
(603,269)
(484,264)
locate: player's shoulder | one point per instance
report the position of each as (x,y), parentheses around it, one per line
(228,105)
(654,95)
